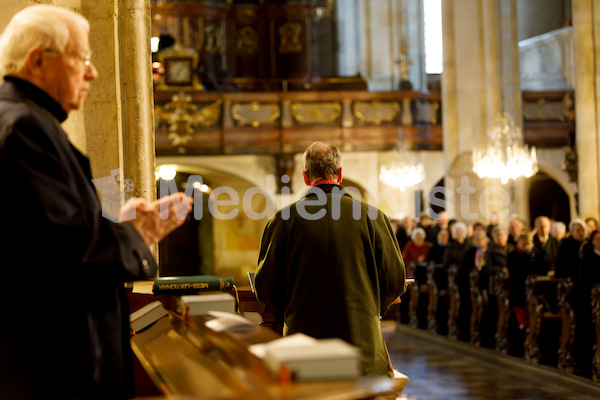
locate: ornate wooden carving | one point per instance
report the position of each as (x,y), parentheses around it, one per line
(568,322)
(476,307)
(316,113)
(375,112)
(414,296)
(503,312)
(432,291)
(534,308)
(454,300)
(595,297)
(540,295)
(255,113)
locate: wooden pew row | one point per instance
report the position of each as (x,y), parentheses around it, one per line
(544,316)
(596,317)
(551,305)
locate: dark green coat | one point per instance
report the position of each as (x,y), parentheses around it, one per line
(335,275)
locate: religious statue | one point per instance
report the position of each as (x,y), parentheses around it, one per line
(404,64)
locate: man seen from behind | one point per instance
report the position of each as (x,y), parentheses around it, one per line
(330,264)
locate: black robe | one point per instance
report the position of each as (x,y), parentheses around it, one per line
(65,327)
(332,277)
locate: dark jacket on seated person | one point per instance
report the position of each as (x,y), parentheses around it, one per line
(568,258)
(454,253)
(545,255)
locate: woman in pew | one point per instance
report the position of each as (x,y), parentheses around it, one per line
(457,247)
(437,251)
(474,258)
(417,249)
(590,262)
(520,264)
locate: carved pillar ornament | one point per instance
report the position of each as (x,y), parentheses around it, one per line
(185,118)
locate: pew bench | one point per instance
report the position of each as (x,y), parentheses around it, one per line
(541,343)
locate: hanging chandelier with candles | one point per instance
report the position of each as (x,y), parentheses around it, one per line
(506,157)
(402,172)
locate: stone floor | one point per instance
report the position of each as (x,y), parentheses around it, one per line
(439,368)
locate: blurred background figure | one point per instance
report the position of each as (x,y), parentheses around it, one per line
(436,254)
(568,255)
(558,230)
(515,228)
(544,246)
(417,249)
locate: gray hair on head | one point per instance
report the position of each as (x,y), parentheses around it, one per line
(322,160)
(41,26)
(418,231)
(459,226)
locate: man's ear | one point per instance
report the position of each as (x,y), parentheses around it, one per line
(34,64)
(305,178)
(339,180)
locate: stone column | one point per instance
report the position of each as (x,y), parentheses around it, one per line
(414,40)
(119,122)
(586,38)
(137,96)
(380,38)
(479,83)
(347,21)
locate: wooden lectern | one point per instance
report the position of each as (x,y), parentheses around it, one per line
(192,357)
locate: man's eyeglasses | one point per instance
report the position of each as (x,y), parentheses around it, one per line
(85,59)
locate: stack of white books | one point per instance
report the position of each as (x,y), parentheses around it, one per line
(305,358)
(203,304)
(146,316)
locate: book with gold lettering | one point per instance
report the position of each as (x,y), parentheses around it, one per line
(191,284)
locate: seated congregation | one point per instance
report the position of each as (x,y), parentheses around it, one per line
(526,293)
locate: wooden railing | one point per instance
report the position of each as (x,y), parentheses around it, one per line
(194,122)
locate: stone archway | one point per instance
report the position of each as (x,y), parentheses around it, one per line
(548,198)
(229,228)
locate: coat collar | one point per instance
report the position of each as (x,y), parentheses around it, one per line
(17,87)
(326,188)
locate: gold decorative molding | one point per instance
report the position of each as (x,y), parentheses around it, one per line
(435,107)
(183,118)
(326,11)
(215,38)
(427,111)
(255,114)
(247,40)
(289,34)
(179,64)
(312,113)
(545,109)
(569,104)
(375,111)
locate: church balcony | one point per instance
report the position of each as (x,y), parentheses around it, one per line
(194,122)
(549,118)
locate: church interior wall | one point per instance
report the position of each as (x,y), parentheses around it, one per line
(380,41)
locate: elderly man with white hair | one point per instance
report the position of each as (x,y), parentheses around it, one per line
(544,246)
(65,330)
